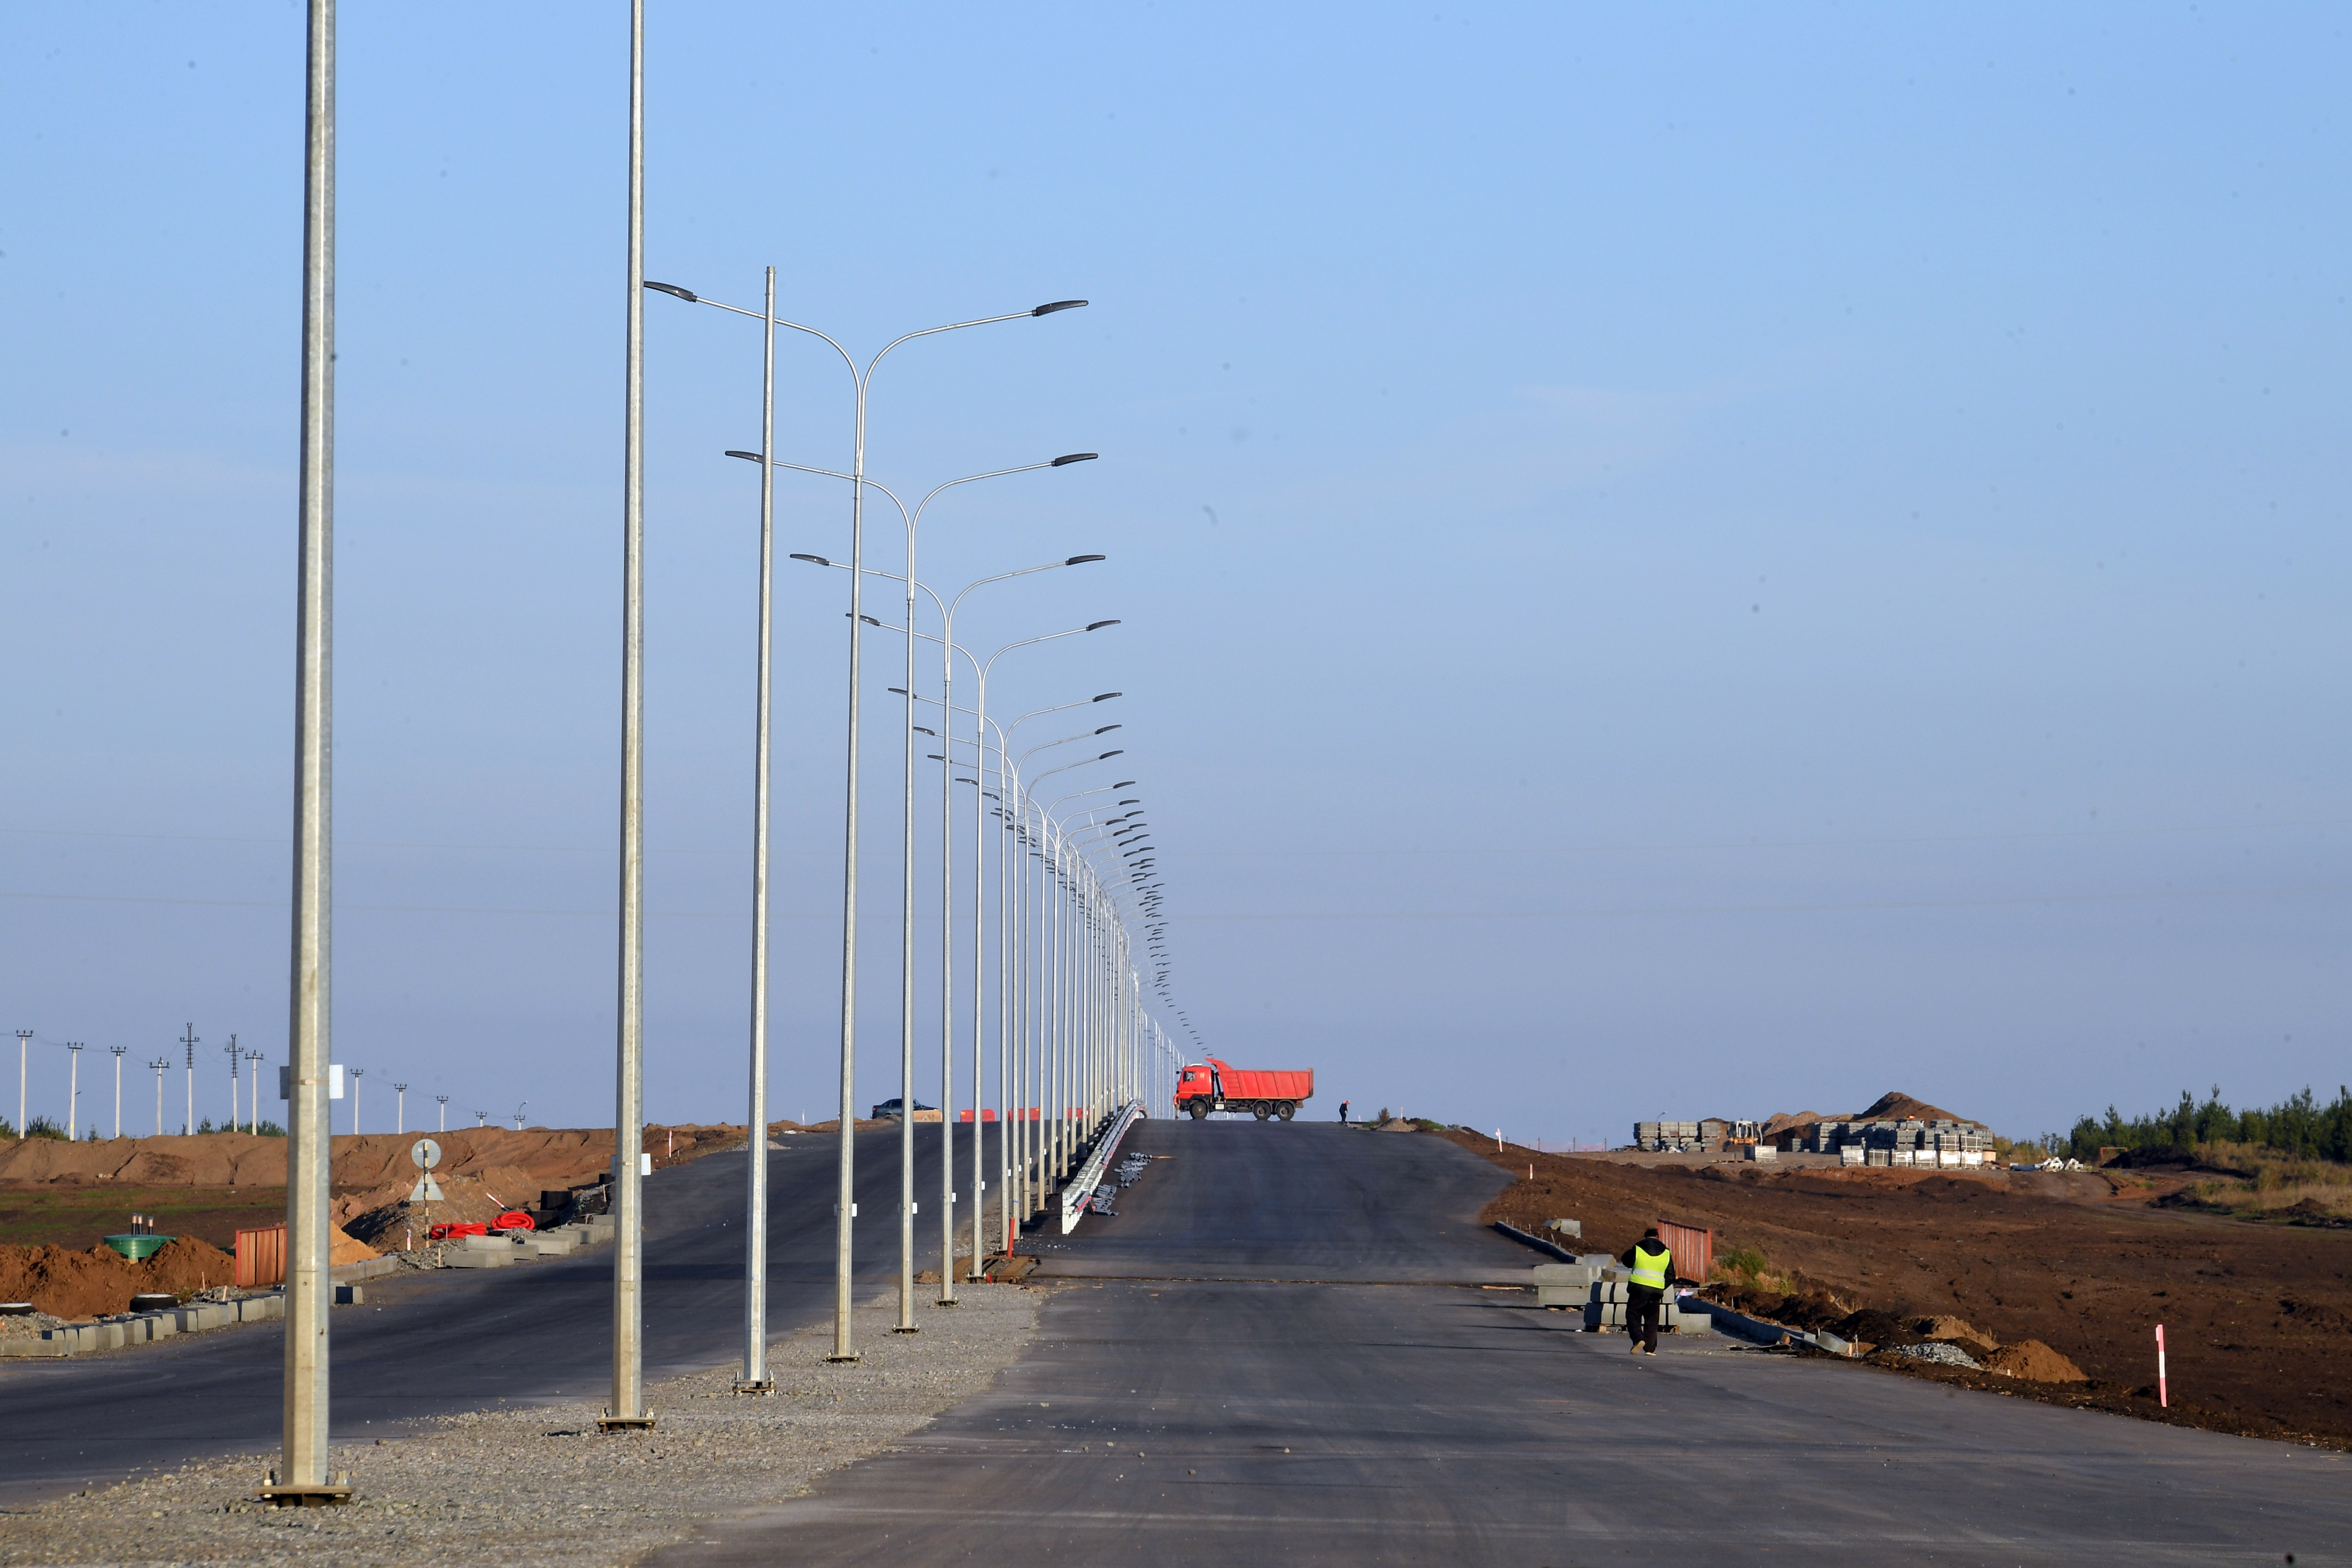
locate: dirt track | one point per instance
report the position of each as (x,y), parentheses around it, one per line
(2258,1318)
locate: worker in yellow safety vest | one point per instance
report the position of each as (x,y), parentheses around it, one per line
(1650,1269)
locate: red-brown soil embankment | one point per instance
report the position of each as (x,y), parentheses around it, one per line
(2258,1318)
(69,1284)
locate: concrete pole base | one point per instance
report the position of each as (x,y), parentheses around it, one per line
(608,1421)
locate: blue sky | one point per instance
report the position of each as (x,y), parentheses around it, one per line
(1700,563)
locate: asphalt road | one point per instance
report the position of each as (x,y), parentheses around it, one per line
(1227,1420)
(427,1343)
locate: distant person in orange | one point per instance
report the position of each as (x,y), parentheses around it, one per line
(1650,1268)
(1343,1113)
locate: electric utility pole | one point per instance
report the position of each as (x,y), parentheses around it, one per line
(400,1116)
(118,1052)
(192,1041)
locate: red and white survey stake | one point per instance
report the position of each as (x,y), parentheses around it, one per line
(2162,1399)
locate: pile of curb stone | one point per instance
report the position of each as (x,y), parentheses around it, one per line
(501,1247)
(1597,1284)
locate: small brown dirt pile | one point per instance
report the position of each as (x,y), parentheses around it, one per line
(2030,1361)
(80,1285)
(1957,1331)
(1398,1124)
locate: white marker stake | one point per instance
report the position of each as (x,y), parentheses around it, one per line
(2163,1399)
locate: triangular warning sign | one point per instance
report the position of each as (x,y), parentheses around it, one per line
(427,1190)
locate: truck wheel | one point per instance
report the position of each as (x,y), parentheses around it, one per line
(1261,1111)
(1200,1112)
(1289,1108)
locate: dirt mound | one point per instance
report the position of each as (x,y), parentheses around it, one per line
(2314,1315)
(1896,1106)
(2030,1361)
(1946,1327)
(1398,1124)
(78,1285)
(1784,1121)
(383,1216)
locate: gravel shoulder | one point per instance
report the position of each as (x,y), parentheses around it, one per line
(540,1486)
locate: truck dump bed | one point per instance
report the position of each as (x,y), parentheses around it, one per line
(1244,1083)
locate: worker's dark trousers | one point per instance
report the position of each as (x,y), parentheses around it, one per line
(1642,1315)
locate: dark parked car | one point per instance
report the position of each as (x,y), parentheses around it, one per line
(890,1109)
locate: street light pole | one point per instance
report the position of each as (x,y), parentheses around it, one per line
(755,1378)
(73,1094)
(118,1052)
(628,1408)
(302,1471)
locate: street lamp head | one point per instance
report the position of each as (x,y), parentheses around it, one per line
(1107,756)
(1100,624)
(1108,728)
(1080,561)
(812,559)
(1064,460)
(1040,311)
(1136,802)
(869,620)
(1109,695)
(688,295)
(1124,784)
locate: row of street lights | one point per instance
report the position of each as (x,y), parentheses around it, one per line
(1073,1035)
(1074,1054)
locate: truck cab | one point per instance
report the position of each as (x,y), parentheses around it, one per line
(1198,1081)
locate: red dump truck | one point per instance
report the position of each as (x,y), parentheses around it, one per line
(1220,1085)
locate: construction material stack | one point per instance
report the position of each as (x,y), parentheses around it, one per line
(1595,1286)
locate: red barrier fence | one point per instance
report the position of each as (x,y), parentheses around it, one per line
(1694,1249)
(261,1256)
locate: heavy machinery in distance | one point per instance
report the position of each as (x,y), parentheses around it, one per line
(1216,1085)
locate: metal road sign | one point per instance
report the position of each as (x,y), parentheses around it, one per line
(426,1191)
(427,1153)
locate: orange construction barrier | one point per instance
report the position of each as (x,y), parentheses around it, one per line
(261,1256)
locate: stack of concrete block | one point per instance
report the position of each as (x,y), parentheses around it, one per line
(1563,1285)
(1605,1309)
(493,1251)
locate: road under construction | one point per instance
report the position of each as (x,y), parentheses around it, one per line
(1289,1340)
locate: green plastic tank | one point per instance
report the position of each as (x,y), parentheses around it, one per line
(137,1248)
